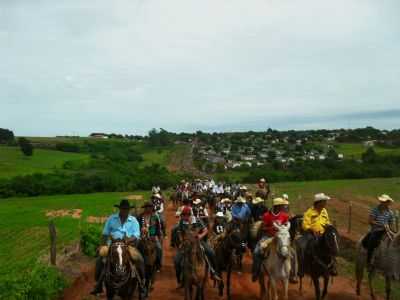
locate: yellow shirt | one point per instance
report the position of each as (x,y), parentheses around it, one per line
(315,221)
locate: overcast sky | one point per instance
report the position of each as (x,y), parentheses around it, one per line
(126,66)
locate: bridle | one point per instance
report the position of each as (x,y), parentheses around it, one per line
(119,276)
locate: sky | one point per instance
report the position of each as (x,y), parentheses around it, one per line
(126,66)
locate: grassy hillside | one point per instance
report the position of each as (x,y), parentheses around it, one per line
(356,150)
(24,224)
(13,162)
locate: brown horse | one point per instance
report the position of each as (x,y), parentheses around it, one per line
(148,245)
(194,267)
(224,248)
(120,278)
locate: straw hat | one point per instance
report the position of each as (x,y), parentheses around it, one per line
(321,197)
(262,180)
(385,198)
(103,251)
(226,200)
(157,196)
(197,201)
(285,196)
(240,200)
(257,200)
(279,201)
(243,188)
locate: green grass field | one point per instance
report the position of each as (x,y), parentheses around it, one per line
(356,150)
(24,224)
(13,162)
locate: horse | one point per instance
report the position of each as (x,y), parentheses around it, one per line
(276,263)
(386,260)
(224,247)
(318,259)
(148,245)
(120,274)
(244,229)
(194,266)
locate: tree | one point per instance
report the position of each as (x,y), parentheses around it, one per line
(369,156)
(6,135)
(332,154)
(26,146)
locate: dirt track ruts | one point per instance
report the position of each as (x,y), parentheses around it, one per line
(242,287)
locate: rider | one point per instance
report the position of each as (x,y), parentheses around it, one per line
(150,225)
(158,203)
(174,231)
(258,209)
(240,210)
(380,219)
(202,231)
(121,226)
(219,223)
(276,215)
(200,211)
(315,220)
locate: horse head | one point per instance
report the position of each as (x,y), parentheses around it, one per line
(282,239)
(330,238)
(235,238)
(119,257)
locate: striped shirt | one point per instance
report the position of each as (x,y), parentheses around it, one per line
(382,218)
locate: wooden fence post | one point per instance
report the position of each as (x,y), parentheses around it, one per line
(350,217)
(53,244)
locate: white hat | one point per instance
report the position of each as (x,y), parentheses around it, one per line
(285,196)
(280,201)
(157,196)
(385,198)
(226,200)
(321,197)
(220,214)
(243,187)
(197,201)
(257,200)
(262,180)
(240,200)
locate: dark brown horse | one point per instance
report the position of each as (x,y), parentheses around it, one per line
(224,248)
(194,267)
(120,276)
(148,245)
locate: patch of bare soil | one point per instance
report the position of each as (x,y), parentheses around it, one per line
(74,213)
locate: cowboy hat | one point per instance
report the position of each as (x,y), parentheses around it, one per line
(240,200)
(321,197)
(157,196)
(262,180)
(279,201)
(147,204)
(385,198)
(257,200)
(220,214)
(285,196)
(243,187)
(226,200)
(197,201)
(124,204)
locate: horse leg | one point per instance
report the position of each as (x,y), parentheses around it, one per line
(326,282)
(263,293)
(301,286)
(388,286)
(286,288)
(371,287)
(272,288)
(228,282)
(317,288)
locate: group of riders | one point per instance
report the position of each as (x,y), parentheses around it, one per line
(209,207)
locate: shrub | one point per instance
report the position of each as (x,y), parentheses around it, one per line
(90,240)
(41,282)
(26,146)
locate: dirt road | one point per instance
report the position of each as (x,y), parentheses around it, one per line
(242,287)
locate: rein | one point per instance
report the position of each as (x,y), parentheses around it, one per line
(114,280)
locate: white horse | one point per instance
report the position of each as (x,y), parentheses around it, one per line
(276,263)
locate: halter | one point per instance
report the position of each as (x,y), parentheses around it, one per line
(117,280)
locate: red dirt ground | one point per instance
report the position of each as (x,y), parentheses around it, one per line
(242,287)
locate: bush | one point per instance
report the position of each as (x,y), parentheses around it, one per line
(26,146)
(90,240)
(42,282)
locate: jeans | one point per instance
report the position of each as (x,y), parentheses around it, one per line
(371,242)
(257,256)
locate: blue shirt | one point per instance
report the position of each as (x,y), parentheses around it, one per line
(241,212)
(117,230)
(381,217)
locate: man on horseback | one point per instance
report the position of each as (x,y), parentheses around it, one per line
(200,211)
(187,220)
(381,219)
(276,215)
(150,226)
(240,210)
(258,209)
(158,203)
(315,220)
(122,226)
(219,223)
(174,231)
